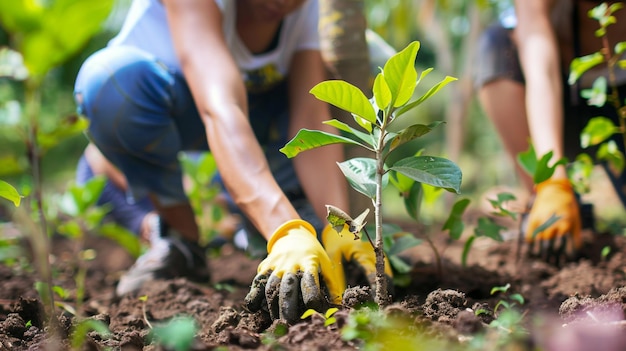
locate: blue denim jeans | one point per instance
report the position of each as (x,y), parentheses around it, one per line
(142,115)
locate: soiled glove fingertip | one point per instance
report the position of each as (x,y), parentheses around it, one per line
(254,298)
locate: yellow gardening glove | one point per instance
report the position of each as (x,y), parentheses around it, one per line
(291,274)
(342,247)
(555,197)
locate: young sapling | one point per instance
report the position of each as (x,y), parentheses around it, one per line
(384,126)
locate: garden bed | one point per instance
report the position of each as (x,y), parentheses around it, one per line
(579,306)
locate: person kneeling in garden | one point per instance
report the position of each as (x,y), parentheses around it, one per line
(522,77)
(232,77)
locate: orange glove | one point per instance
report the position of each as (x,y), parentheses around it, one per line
(555,197)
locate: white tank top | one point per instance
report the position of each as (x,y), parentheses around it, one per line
(146,27)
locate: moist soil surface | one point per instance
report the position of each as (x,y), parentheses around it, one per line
(577,306)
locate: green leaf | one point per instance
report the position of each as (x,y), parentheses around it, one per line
(597,130)
(580,65)
(178,334)
(330,321)
(413,199)
(311,139)
(413,132)
(540,169)
(545,171)
(399,265)
(401,182)
(579,173)
(596,96)
(500,289)
(8,192)
(365,138)
(57,36)
(611,153)
(330,312)
(79,334)
(528,160)
(487,227)
(400,74)
(402,121)
(466,249)
(10,165)
(346,97)
(454,223)
(67,127)
(361,175)
(431,170)
(308,313)
(498,205)
(620,47)
(19,16)
(122,237)
(382,94)
(403,242)
(518,298)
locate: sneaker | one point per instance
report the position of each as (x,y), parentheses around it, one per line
(168,257)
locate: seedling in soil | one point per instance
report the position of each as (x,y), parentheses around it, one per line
(178,334)
(79,333)
(144,300)
(203,193)
(328,315)
(270,337)
(385,125)
(79,217)
(508,318)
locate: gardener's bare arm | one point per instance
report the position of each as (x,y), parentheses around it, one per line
(220,97)
(539,57)
(317,169)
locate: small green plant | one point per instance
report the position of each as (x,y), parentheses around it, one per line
(508,319)
(328,315)
(270,337)
(203,193)
(78,217)
(144,312)
(177,334)
(79,332)
(385,125)
(601,128)
(374,329)
(606,251)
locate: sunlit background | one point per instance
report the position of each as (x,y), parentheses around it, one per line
(447,30)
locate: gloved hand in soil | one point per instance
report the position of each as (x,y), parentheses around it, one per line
(554,197)
(342,248)
(290,274)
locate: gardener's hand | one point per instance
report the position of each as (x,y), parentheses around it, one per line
(291,274)
(342,248)
(554,197)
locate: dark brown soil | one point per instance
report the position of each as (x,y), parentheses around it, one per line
(579,306)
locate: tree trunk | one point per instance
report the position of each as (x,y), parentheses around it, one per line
(345,52)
